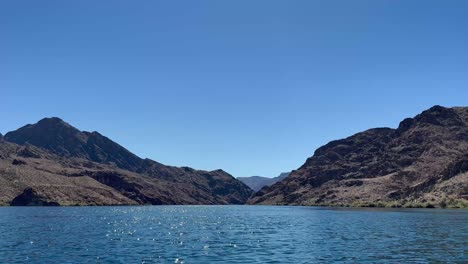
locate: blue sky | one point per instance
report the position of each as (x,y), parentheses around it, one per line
(252,87)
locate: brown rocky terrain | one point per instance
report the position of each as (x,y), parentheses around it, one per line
(53,163)
(424,162)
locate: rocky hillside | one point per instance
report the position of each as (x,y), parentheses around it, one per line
(258,182)
(424,162)
(53,163)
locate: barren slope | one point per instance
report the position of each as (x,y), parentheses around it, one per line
(421,163)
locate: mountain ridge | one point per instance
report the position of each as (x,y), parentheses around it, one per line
(421,162)
(406,166)
(71,156)
(257,182)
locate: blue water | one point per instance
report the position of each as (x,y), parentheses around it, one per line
(231,234)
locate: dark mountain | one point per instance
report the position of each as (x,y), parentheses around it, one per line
(62,139)
(51,162)
(424,162)
(258,182)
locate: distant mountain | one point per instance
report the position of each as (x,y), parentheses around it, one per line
(53,163)
(424,162)
(258,182)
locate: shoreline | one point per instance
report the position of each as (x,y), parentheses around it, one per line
(413,206)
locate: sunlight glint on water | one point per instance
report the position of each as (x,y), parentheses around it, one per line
(233,234)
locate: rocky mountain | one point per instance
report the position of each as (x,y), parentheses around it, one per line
(64,140)
(258,182)
(423,162)
(53,163)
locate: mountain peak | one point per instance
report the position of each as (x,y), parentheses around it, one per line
(440,116)
(52,119)
(436,115)
(50,133)
(63,139)
(54,122)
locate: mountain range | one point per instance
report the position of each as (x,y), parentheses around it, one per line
(423,162)
(258,182)
(54,163)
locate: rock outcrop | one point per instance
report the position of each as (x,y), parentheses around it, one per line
(29,197)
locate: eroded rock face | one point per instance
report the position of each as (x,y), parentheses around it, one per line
(28,152)
(382,166)
(29,197)
(18,162)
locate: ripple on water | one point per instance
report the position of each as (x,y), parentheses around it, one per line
(233,234)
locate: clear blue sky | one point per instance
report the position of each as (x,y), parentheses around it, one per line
(252,87)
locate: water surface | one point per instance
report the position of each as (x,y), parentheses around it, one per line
(231,234)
